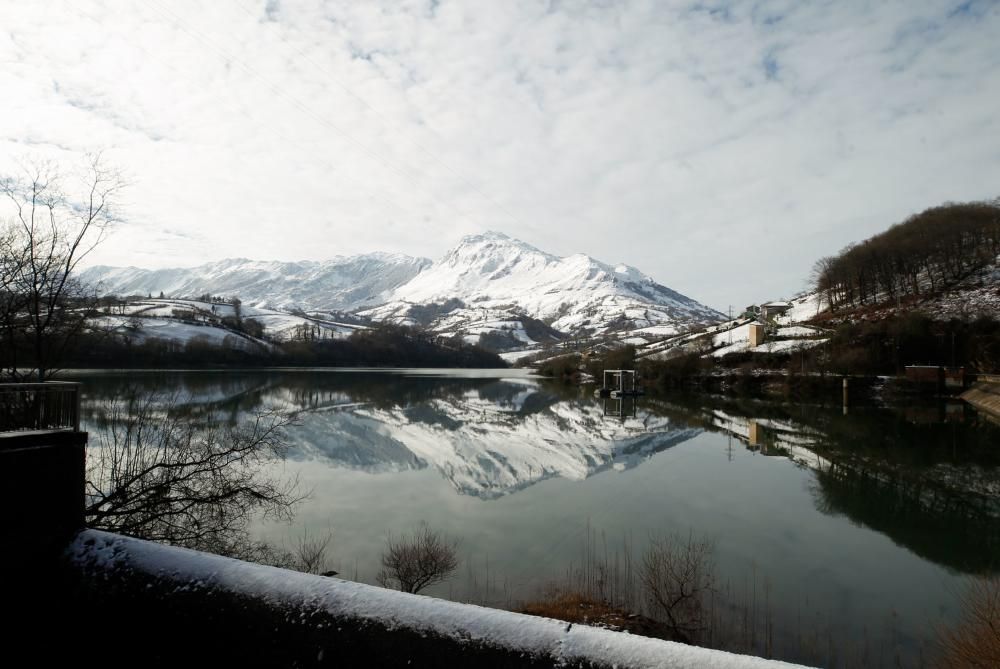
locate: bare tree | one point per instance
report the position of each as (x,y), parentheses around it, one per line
(310,553)
(154,474)
(43,306)
(678,576)
(13,301)
(411,563)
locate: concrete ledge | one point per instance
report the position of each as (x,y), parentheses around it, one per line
(173,605)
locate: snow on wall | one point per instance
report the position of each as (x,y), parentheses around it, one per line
(460,624)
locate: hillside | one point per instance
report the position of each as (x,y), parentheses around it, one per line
(924,291)
(167,333)
(184,321)
(943,250)
(344,283)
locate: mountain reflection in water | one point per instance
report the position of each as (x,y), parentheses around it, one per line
(926,477)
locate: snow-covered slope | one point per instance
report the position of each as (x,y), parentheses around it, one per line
(489,285)
(340,284)
(499,280)
(277,325)
(788,333)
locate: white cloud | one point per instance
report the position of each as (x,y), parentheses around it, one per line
(719,146)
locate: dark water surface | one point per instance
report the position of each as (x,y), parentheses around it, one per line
(860,527)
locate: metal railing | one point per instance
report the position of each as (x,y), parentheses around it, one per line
(53,405)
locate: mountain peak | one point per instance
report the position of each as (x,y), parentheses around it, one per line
(491,247)
(488,236)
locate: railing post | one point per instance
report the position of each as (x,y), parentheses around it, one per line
(76,408)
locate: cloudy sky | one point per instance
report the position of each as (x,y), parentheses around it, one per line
(720,146)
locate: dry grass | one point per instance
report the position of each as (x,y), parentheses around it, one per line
(578,608)
(975,642)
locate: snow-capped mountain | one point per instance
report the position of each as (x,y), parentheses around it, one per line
(490,288)
(344,283)
(500,280)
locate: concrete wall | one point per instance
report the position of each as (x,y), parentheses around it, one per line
(42,482)
(168,606)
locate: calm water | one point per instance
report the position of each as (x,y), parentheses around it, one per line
(861,525)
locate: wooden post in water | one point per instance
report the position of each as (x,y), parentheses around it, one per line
(845,395)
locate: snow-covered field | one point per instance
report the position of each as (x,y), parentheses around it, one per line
(185,320)
(778,346)
(797,331)
(734,336)
(176,331)
(804,308)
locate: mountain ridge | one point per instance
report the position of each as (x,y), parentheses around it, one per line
(347,283)
(499,279)
(488,284)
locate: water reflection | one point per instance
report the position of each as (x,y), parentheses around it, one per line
(487,439)
(620,407)
(925,476)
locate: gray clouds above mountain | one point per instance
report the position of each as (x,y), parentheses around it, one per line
(702,142)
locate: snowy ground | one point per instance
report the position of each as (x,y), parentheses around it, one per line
(734,336)
(174,330)
(804,308)
(798,331)
(162,318)
(777,346)
(514,356)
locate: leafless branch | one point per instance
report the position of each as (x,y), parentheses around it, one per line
(412,563)
(678,575)
(42,305)
(156,475)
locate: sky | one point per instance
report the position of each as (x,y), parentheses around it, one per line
(721,147)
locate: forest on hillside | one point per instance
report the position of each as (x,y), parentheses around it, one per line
(927,252)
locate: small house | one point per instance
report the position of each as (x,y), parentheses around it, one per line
(772,310)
